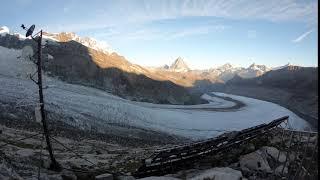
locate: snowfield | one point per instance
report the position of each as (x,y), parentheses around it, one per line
(86,107)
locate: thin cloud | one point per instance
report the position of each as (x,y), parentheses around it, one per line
(302,36)
(197,31)
(153,33)
(125,12)
(272,10)
(252,34)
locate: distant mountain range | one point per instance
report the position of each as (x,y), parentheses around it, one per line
(178,72)
(219,74)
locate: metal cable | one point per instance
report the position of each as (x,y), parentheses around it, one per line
(304,156)
(28,137)
(72,151)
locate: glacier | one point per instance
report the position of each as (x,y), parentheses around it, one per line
(92,107)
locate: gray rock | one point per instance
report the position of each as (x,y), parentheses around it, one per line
(278,170)
(8,173)
(254,161)
(104,177)
(313,139)
(46,163)
(68,175)
(274,153)
(182,174)
(125,178)
(25,152)
(159,178)
(224,173)
(251,147)
(55,177)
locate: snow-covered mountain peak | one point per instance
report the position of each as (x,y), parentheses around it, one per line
(4,30)
(225,67)
(281,67)
(95,44)
(253,65)
(64,37)
(257,67)
(179,65)
(86,41)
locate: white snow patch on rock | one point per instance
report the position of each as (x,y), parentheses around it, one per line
(4,30)
(224,173)
(254,161)
(50,57)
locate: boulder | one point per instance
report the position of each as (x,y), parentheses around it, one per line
(68,175)
(25,152)
(7,172)
(254,161)
(125,178)
(274,153)
(313,139)
(278,170)
(55,177)
(223,173)
(159,178)
(106,176)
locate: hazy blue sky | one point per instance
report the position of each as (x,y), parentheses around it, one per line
(205,33)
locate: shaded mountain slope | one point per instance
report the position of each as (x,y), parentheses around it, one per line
(74,62)
(293,87)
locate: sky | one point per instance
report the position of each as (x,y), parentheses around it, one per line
(205,33)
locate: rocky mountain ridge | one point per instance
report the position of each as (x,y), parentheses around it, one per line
(180,73)
(71,60)
(224,72)
(293,87)
(179,65)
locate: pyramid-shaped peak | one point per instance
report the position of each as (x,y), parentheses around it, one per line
(179,65)
(179,59)
(252,65)
(226,66)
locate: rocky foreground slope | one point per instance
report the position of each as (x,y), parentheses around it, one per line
(272,156)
